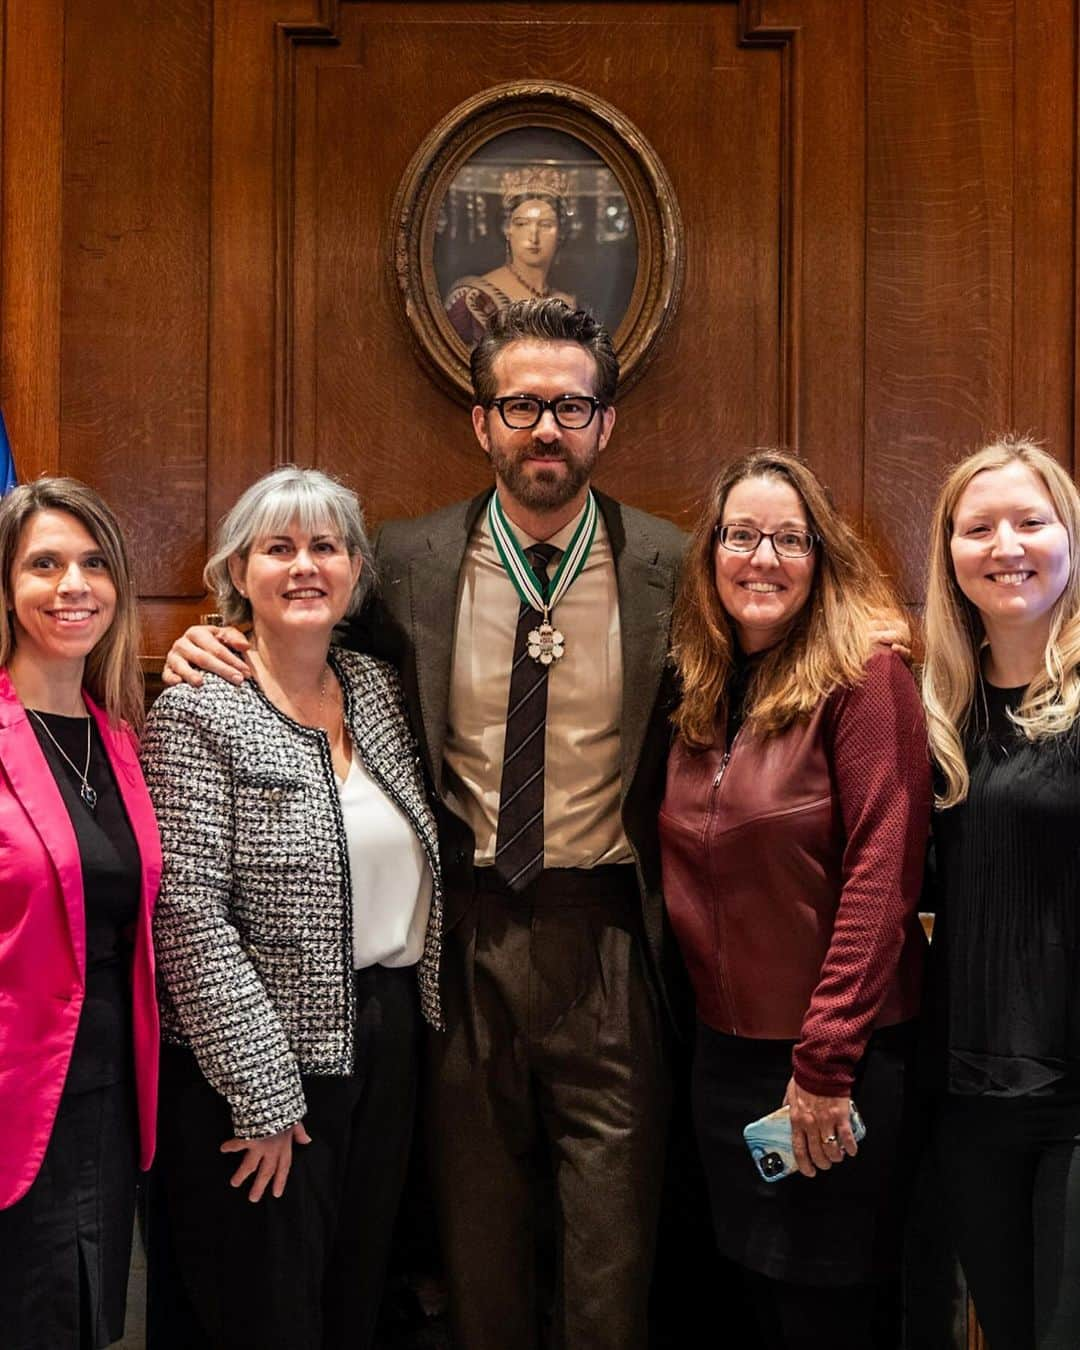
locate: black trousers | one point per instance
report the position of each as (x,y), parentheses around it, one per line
(552,1049)
(813,1317)
(65,1247)
(306,1271)
(1010,1172)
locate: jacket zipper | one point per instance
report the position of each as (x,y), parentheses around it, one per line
(717,780)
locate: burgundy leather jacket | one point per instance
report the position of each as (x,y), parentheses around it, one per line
(792,868)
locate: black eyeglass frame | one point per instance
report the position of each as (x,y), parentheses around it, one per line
(546,405)
(718,531)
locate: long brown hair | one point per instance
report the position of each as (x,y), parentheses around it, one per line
(829,640)
(112,676)
(954,627)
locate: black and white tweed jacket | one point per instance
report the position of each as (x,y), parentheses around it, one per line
(253,926)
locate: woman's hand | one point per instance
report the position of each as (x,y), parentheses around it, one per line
(820,1129)
(269,1159)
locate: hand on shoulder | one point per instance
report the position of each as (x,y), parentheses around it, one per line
(206,648)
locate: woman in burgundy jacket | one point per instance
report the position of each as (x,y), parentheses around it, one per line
(793,830)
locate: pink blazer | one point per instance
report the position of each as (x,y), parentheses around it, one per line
(43,942)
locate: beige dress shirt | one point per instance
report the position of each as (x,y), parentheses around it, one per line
(582,827)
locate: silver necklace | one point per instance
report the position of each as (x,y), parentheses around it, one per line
(324,680)
(86,792)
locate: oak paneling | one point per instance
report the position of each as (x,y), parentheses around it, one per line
(362,405)
(949,249)
(824,152)
(880,210)
(30,218)
(1044,210)
(135,260)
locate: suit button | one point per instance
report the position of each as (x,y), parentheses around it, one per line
(274,794)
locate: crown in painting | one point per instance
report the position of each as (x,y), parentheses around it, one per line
(533,180)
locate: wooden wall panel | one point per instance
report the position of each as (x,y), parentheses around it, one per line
(880,208)
(1044,213)
(30,213)
(955,249)
(135,259)
(361,400)
(823,301)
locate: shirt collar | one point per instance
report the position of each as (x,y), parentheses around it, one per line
(560,540)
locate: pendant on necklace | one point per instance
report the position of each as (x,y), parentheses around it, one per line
(546,644)
(88,794)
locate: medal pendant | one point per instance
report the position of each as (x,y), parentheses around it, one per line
(546,644)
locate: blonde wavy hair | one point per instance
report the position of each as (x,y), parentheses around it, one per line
(112,675)
(829,640)
(955,634)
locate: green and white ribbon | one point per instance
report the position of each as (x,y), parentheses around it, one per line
(517,566)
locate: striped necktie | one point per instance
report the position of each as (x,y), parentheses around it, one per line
(519,840)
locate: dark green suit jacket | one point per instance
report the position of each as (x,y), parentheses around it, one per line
(412,624)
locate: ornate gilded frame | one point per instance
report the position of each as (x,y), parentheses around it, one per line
(604,130)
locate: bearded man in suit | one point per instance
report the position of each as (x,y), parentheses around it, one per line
(530,627)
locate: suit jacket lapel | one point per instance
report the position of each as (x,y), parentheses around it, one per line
(645,588)
(433,585)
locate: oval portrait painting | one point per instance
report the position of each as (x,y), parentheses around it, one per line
(534,212)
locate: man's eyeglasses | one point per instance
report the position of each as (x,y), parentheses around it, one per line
(521,412)
(746,538)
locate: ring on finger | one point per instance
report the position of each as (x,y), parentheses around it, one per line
(830,1139)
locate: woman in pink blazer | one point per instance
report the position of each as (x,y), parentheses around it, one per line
(79,867)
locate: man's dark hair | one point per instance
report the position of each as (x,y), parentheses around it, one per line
(544,321)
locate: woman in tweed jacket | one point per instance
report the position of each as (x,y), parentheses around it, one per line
(299,919)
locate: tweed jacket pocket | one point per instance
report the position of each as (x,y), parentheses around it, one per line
(275,855)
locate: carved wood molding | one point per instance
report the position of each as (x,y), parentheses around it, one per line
(289,36)
(755,31)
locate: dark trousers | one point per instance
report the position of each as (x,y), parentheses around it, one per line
(303,1272)
(1010,1172)
(812,1317)
(552,1047)
(65,1247)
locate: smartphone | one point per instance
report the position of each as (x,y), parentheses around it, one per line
(769,1142)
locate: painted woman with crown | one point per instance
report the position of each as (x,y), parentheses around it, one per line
(534,218)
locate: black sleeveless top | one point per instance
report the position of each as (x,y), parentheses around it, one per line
(112,875)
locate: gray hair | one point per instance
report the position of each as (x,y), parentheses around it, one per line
(314,500)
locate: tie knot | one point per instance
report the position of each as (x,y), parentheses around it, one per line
(540,557)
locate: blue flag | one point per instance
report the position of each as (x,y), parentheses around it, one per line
(8,477)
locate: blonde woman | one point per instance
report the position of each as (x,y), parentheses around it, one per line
(793,833)
(1002,694)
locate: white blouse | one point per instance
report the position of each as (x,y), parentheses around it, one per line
(391,879)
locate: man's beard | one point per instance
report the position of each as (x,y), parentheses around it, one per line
(540,489)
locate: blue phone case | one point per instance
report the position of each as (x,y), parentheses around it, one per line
(769,1142)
